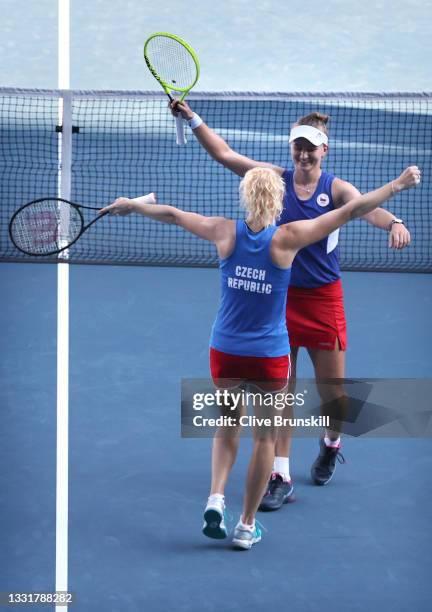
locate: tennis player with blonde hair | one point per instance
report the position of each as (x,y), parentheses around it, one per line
(249,340)
(315,313)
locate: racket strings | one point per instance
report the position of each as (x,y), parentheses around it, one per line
(172,61)
(46,226)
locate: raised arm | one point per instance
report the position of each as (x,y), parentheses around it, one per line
(399,236)
(298,234)
(219,230)
(216,146)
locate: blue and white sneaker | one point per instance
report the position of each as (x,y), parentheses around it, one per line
(214,518)
(245,536)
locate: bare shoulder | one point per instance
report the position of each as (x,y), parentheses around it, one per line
(222,226)
(286,236)
(283,235)
(282,247)
(343,192)
(225,236)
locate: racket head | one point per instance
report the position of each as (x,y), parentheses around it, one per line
(46,226)
(172,62)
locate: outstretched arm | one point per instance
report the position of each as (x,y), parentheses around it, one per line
(299,234)
(208,228)
(399,236)
(217,147)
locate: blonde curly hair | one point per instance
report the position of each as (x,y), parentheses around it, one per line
(261,194)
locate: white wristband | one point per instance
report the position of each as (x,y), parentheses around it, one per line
(150,198)
(195,121)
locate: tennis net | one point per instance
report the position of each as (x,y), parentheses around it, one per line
(123,143)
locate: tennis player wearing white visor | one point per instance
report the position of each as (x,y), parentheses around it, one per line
(315,308)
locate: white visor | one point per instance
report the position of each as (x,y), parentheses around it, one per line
(315,136)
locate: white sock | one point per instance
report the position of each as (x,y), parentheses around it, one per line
(332,443)
(245,525)
(216,498)
(281,466)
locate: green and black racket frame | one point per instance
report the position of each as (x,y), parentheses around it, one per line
(175,66)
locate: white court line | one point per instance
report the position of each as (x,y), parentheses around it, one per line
(62,468)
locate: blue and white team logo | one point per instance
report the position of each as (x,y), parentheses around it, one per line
(323,199)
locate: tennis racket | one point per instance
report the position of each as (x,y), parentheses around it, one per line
(174,64)
(48,226)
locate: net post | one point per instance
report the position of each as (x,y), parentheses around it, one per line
(66,145)
(65,167)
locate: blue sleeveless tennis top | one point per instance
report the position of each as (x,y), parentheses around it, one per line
(318,263)
(251,316)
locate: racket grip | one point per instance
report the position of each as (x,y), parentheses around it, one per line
(181,138)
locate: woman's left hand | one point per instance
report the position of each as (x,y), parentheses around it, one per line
(399,236)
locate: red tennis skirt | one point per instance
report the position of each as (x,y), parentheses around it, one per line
(268,373)
(316,317)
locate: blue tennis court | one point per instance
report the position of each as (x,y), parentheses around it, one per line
(137,489)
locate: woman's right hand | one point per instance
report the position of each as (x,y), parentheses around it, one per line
(410,177)
(183,108)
